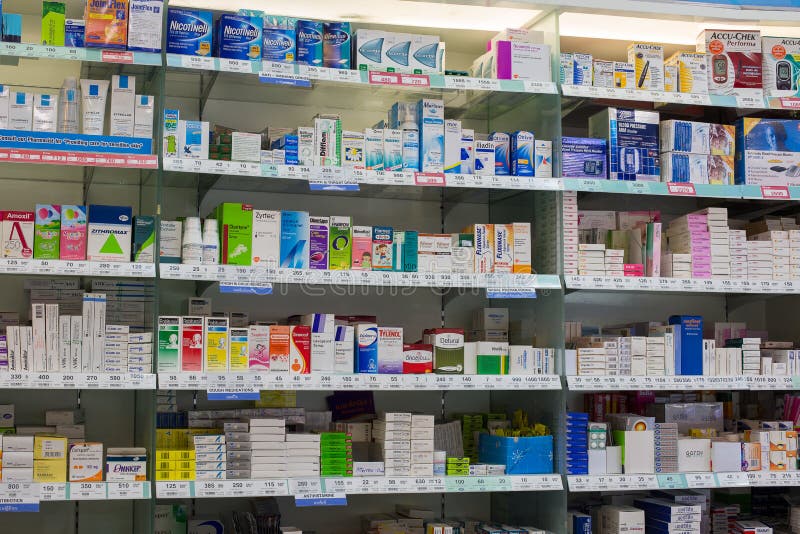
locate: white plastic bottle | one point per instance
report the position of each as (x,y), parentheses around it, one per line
(69,107)
(210,242)
(192,249)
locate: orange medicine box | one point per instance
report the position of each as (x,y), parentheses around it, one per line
(300,350)
(106,24)
(279,348)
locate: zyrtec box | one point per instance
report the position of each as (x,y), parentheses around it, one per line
(734,61)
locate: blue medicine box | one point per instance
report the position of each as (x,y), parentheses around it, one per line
(521,456)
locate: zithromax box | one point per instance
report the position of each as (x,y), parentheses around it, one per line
(109,234)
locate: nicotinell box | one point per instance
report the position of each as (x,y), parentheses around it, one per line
(734,61)
(336,45)
(502,153)
(431,132)
(362,248)
(73,233)
(295,236)
(216,342)
(781,66)
(266,241)
(106,23)
(503,248)
(648,64)
(110,232)
(300,349)
(448,350)
(239,37)
(624,75)
(767,151)
(319,230)
(169,338)
(692,72)
(340,243)
(190,32)
(633,140)
(47,232)
(191,349)
(235,222)
(279,39)
(543,154)
(452,146)
(522,153)
(145,18)
(310,49)
(417,358)
(366,354)
(382,237)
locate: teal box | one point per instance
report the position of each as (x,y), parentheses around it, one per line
(410,245)
(144,239)
(521,456)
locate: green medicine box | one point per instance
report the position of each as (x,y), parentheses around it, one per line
(235,223)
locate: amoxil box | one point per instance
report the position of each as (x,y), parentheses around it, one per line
(106,24)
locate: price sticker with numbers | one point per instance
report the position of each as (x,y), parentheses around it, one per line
(126,490)
(173,490)
(88,491)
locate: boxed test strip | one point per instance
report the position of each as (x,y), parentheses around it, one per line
(734,61)
(648,64)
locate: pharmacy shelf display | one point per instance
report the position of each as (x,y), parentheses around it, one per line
(355,486)
(73,491)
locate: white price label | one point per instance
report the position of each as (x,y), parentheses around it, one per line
(345,75)
(198,62)
(700,480)
(87,491)
(457,82)
(236,65)
(126,490)
(209,488)
(273,486)
(754,101)
(173,490)
(53,491)
(298,486)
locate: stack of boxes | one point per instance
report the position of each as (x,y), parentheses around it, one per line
(794,254)
(737,240)
(570,231)
(674,265)
(719,239)
(592,359)
(778,445)
(49,458)
(656,356)
(422,445)
(752,363)
(723,518)
(662,515)
(392,435)
(689,235)
(750,527)
(457,467)
(471,425)
(591,259)
(213,444)
(17,458)
(760,260)
(266,455)
(302,455)
(336,454)
(666,447)
(577,441)
(697,152)
(781,252)
(617,519)
(175,464)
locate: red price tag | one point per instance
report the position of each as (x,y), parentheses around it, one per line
(775,192)
(429,178)
(111,56)
(384,78)
(681,188)
(415,80)
(790,102)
